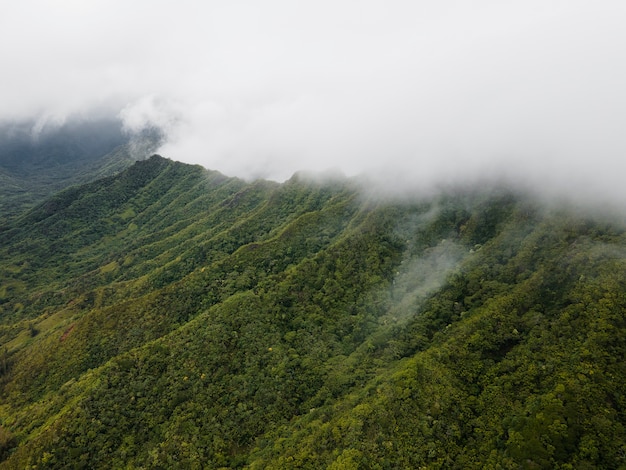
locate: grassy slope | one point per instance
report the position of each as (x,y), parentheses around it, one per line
(171,317)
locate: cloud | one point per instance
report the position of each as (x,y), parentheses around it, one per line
(433,91)
(150,112)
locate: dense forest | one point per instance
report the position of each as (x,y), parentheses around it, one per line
(38,160)
(169,316)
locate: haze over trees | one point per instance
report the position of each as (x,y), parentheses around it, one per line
(172,317)
(39,159)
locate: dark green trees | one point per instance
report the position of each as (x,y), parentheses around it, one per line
(189,320)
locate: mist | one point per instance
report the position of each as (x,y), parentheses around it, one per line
(411,94)
(25,145)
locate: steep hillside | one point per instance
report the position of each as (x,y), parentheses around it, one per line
(35,165)
(171,317)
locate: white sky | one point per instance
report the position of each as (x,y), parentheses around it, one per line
(426,90)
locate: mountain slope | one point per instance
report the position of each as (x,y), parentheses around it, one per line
(35,165)
(172,317)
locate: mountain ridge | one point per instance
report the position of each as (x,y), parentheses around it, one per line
(36,164)
(170,316)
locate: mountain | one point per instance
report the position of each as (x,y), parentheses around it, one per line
(37,162)
(172,317)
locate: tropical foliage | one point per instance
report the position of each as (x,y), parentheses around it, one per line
(171,317)
(36,160)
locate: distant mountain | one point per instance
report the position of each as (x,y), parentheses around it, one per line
(36,163)
(171,317)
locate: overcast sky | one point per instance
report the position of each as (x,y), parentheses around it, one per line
(428,90)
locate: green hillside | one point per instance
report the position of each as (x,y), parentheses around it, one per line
(34,166)
(171,317)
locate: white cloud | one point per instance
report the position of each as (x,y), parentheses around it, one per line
(431,90)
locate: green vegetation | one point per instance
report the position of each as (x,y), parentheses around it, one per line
(171,317)
(34,166)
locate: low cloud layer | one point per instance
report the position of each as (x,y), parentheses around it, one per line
(418,91)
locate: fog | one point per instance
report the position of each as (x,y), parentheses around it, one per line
(411,93)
